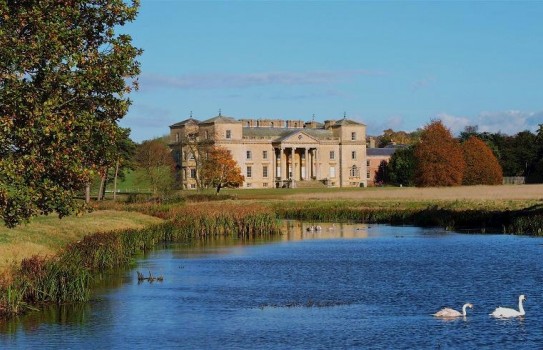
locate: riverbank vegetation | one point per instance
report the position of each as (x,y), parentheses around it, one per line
(67,276)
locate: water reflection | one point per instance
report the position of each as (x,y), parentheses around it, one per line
(298,230)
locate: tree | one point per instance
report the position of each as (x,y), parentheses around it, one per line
(439,159)
(155,159)
(401,167)
(219,169)
(118,160)
(390,137)
(537,174)
(64,80)
(482,167)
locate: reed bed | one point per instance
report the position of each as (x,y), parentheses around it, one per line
(449,215)
(67,276)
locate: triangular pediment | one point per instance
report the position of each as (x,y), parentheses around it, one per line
(299,137)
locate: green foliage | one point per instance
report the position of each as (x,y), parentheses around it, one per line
(401,167)
(64,80)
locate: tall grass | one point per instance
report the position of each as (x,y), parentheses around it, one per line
(450,215)
(67,276)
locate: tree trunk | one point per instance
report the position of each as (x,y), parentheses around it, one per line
(218,188)
(115,181)
(87,193)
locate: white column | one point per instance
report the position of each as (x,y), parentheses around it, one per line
(306,167)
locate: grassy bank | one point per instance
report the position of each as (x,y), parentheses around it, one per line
(47,235)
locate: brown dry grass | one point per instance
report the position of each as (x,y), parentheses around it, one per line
(497,193)
(46,235)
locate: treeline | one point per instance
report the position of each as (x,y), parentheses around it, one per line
(436,158)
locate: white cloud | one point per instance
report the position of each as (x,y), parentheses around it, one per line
(215,81)
(507,122)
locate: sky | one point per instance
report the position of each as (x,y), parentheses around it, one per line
(387,64)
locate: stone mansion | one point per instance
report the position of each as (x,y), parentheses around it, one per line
(279,153)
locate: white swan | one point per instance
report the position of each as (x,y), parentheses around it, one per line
(448,312)
(503,312)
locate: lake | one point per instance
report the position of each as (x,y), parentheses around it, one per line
(344,287)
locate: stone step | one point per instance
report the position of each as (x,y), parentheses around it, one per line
(309,184)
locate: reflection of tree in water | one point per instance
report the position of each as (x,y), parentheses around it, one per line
(69,314)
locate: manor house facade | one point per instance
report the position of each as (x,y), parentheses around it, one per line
(278,153)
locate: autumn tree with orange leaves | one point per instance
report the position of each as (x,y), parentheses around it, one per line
(439,158)
(219,169)
(482,167)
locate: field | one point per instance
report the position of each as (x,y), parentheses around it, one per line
(504,192)
(471,193)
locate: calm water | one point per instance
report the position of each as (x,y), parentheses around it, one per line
(348,287)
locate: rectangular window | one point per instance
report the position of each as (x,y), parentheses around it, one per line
(368,175)
(367,163)
(264,154)
(353,136)
(249,155)
(249,185)
(249,171)
(332,171)
(265,171)
(353,155)
(332,155)
(228,134)
(192,185)
(192,173)
(265,184)
(354,172)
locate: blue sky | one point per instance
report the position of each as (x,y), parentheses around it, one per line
(387,64)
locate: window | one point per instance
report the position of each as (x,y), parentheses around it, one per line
(192,185)
(228,134)
(191,156)
(332,155)
(192,173)
(249,185)
(264,154)
(332,171)
(265,184)
(368,175)
(353,136)
(272,124)
(353,155)
(177,137)
(248,124)
(265,171)
(353,172)
(249,171)
(367,163)
(249,155)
